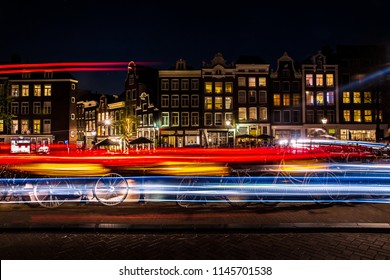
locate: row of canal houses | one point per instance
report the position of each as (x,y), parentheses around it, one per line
(226,104)
(341,93)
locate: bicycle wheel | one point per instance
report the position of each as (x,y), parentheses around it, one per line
(51,192)
(326,187)
(187,196)
(265,190)
(111,189)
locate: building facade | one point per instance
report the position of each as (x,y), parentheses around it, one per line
(38,103)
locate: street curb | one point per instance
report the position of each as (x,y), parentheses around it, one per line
(192,227)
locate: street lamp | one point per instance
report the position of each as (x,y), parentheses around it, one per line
(228,123)
(94,139)
(324,122)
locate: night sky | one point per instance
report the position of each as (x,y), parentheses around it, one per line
(162,31)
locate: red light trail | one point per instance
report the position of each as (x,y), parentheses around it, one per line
(67,67)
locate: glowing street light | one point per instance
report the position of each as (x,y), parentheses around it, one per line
(228,123)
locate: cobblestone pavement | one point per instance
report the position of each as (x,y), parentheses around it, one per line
(196,244)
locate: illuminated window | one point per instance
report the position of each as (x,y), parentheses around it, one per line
(319,80)
(228,103)
(367,97)
(241,97)
(356,97)
(346,97)
(277,99)
(25,89)
(241,82)
(15,90)
(263,113)
(330,98)
(309,97)
(37,126)
(218,87)
(252,113)
(367,116)
(47,90)
(242,113)
(296,99)
(347,115)
(252,82)
(218,103)
(15,126)
(286,99)
(24,126)
(309,80)
(357,116)
(329,80)
(208,87)
(208,103)
(228,87)
(1,125)
(37,90)
(262,82)
(320,98)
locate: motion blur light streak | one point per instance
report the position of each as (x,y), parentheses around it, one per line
(61,64)
(67,66)
(212,189)
(65,69)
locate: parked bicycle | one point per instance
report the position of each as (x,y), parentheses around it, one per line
(313,179)
(195,191)
(15,186)
(110,189)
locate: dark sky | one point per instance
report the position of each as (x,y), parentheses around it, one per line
(162,31)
